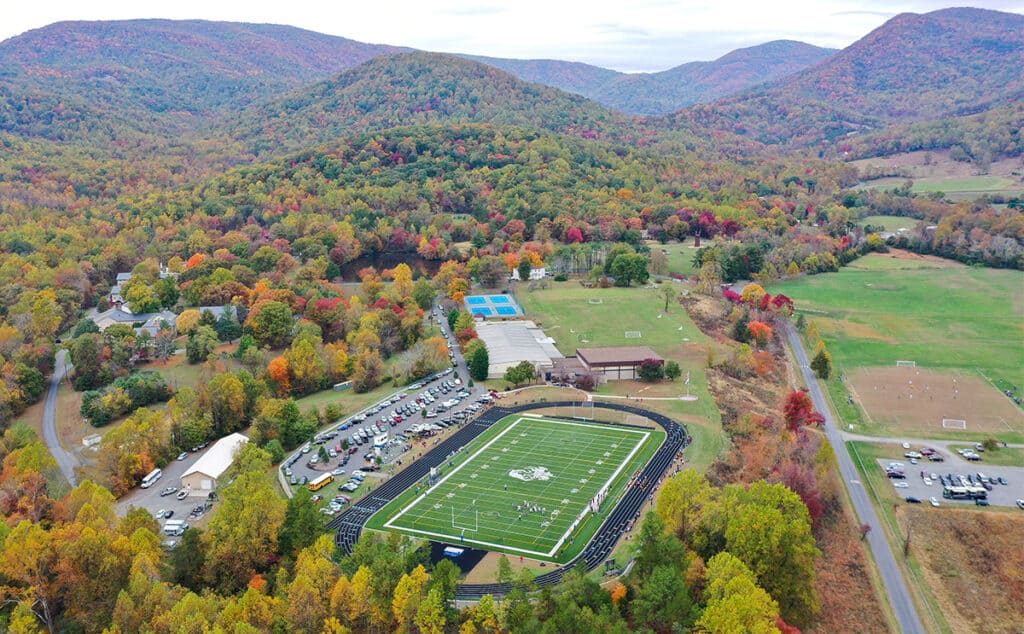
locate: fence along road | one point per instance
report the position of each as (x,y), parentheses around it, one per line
(892,576)
(350,523)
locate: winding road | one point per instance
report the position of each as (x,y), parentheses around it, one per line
(892,576)
(65,459)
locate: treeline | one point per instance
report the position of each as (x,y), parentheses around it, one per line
(970,232)
(263,564)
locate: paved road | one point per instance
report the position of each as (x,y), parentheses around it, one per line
(65,459)
(892,576)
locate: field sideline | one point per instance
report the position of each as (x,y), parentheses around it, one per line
(524,486)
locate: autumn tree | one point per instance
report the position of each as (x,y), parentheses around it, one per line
(367,371)
(735,603)
(241,538)
(306,367)
(798,411)
(651,370)
(409,594)
(760,332)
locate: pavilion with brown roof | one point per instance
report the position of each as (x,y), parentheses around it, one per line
(618,362)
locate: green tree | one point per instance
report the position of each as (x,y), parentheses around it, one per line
(424,292)
(200,344)
(187,559)
(656,548)
(663,602)
(822,362)
(431,615)
(83,327)
(227,326)
(270,324)
(523,268)
(523,372)
(478,360)
(302,524)
(672,370)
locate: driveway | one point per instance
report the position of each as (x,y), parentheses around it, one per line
(892,575)
(66,460)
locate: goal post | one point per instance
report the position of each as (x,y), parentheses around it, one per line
(954,423)
(906,364)
(467,529)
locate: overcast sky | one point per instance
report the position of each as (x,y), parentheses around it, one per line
(637,35)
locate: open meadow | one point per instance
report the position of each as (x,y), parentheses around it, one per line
(956,317)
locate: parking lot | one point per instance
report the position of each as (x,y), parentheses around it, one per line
(919,482)
(447,399)
(152,499)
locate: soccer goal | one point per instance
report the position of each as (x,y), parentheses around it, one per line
(633,334)
(584,337)
(595,300)
(954,423)
(467,529)
(906,364)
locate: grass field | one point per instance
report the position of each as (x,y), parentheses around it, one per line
(960,317)
(554,467)
(891,223)
(680,256)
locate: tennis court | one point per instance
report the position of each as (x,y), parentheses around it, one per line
(493,306)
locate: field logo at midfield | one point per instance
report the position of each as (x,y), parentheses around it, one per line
(531,473)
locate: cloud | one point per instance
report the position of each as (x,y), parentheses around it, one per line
(881,14)
(473,11)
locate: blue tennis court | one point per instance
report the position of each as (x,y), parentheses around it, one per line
(493,306)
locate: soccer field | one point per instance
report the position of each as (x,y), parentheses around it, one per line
(527,486)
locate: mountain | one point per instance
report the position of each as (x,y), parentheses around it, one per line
(415,89)
(948,63)
(75,80)
(667,91)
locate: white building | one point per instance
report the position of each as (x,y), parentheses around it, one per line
(201,478)
(511,342)
(536,273)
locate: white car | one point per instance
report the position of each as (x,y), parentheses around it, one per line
(338,472)
(928,481)
(901,485)
(160,514)
(933,501)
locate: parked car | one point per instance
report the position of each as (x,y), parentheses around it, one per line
(181,494)
(913,500)
(901,485)
(168,491)
(1020,504)
(183,455)
(933,501)
(981,502)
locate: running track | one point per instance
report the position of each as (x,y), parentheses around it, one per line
(349,524)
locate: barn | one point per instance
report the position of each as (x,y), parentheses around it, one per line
(201,478)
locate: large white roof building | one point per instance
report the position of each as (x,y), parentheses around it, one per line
(201,478)
(511,342)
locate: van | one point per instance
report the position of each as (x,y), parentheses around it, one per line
(151,478)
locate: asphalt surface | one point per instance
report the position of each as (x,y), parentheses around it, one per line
(66,460)
(391,454)
(892,576)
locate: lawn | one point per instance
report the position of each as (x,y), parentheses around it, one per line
(550,468)
(891,223)
(680,256)
(960,317)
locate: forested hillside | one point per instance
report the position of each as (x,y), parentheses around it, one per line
(669,90)
(413,89)
(953,62)
(118,81)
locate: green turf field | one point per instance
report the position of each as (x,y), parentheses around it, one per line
(957,317)
(531,462)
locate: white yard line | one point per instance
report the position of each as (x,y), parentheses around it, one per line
(622,465)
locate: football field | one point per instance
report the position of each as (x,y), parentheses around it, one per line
(531,485)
